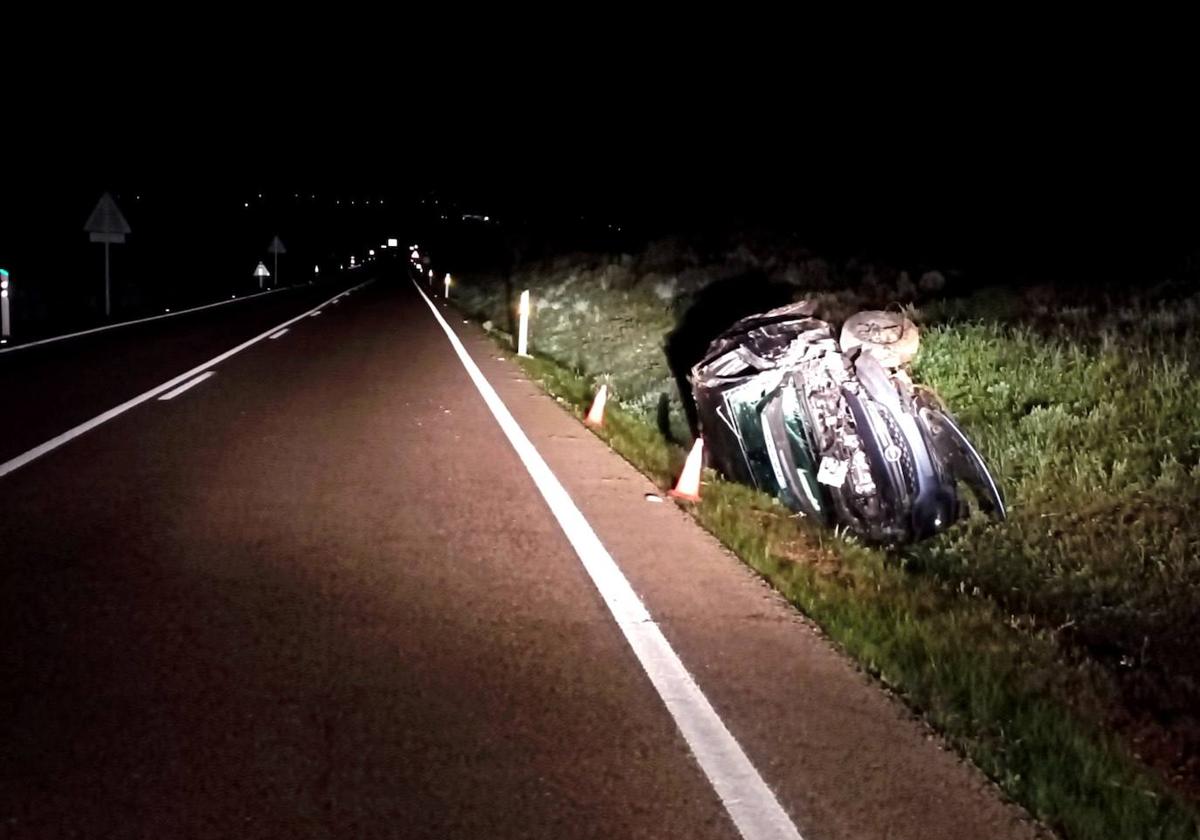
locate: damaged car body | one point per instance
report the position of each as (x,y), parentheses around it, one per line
(837,431)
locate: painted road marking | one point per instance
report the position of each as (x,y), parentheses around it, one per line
(750,803)
(318,312)
(170,395)
(70,434)
(281,333)
(138,321)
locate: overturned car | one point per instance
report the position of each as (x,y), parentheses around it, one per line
(837,431)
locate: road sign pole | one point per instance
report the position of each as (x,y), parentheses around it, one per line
(261,273)
(107,225)
(276,248)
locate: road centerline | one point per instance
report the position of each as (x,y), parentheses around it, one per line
(751,805)
(191,383)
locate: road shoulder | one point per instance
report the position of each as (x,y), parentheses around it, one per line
(845,759)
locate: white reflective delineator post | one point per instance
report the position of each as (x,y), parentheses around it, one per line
(431,278)
(316,271)
(5,294)
(446,293)
(523,328)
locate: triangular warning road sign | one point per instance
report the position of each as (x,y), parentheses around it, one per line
(107,224)
(276,247)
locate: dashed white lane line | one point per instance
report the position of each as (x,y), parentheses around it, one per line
(751,805)
(318,312)
(24,458)
(192,383)
(280,334)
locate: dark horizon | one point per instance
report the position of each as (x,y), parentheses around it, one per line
(1048,195)
(1014,232)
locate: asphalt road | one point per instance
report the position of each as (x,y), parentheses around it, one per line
(48,388)
(318,595)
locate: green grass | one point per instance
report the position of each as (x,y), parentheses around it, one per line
(1099,446)
(952,656)
(1051,648)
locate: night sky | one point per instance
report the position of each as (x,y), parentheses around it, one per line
(1089,172)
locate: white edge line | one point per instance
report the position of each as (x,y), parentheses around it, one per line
(72,433)
(751,805)
(170,395)
(142,320)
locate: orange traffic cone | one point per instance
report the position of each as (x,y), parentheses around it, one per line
(595,417)
(688,486)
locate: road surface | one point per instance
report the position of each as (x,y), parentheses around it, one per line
(318,594)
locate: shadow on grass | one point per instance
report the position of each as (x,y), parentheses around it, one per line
(711,311)
(663,419)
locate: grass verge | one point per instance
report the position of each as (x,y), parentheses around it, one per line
(1002,693)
